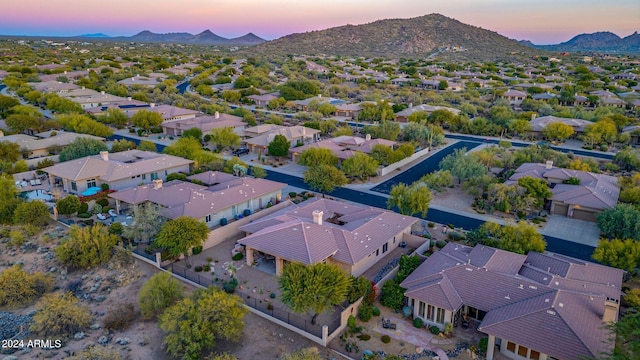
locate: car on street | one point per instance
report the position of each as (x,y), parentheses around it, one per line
(240,151)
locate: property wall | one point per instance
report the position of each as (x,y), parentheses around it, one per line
(386,170)
(230,230)
(364,264)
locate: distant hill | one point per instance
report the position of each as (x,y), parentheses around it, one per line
(96,35)
(427,36)
(204,38)
(597,42)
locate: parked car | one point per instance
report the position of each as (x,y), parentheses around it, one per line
(240,151)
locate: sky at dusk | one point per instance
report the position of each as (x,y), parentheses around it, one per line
(541,21)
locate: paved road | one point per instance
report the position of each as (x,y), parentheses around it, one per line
(555,245)
(595,154)
(159,147)
(426,166)
(182,87)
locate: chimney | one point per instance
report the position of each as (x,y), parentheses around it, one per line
(549,164)
(104,155)
(534,116)
(216,115)
(610,311)
(152,105)
(102,92)
(317,217)
(319,95)
(157,184)
(129,98)
(367,137)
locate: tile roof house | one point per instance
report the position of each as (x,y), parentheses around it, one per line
(538,124)
(53,86)
(223,196)
(204,123)
(535,306)
(515,97)
(403,116)
(303,105)
(263,100)
(88,98)
(344,146)
(354,237)
(120,170)
(260,136)
(594,194)
(40,144)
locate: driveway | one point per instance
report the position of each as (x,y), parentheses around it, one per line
(426,166)
(582,232)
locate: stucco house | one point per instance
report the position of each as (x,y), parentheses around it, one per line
(538,124)
(204,123)
(41,144)
(535,306)
(258,138)
(515,97)
(353,237)
(594,194)
(222,196)
(344,146)
(403,116)
(119,171)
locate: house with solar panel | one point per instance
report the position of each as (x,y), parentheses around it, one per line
(535,306)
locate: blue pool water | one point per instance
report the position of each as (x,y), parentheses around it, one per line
(91,191)
(36,195)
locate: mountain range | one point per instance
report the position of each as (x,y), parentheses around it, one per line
(204,38)
(595,42)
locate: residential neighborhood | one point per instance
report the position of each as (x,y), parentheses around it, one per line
(363,207)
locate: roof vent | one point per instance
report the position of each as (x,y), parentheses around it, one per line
(551,312)
(546,300)
(561,304)
(507,297)
(520,286)
(533,287)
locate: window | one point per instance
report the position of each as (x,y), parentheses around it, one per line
(431,312)
(421,309)
(377,252)
(385,247)
(207,218)
(91,183)
(522,351)
(511,347)
(154,176)
(74,186)
(534,355)
(440,318)
(144,176)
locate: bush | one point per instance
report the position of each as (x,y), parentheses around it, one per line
(392,295)
(237,256)
(293,194)
(483,344)
(351,322)
(116,229)
(87,247)
(84,208)
(198,268)
(206,267)
(103,202)
(104,187)
(385,339)
(74,286)
(196,250)
(440,244)
(434,330)
(455,236)
(272,295)
(84,215)
(632,298)
(417,322)
(431,224)
(158,293)
(60,315)
(120,317)
(376,311)
(17,238)
(365,312)
(230,286)
(18,287)
(364,337)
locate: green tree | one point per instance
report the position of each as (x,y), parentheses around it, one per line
(188,148)
(359,286)
(158,293)
(557,131)
(279,146)
(60,315)
(462,166)
(536,188)
(122,145)
(601,132)
(342,131)
(195,133)
(197,323)
(438,180)
(84,125)
(87,247)
(19,288)
(443,85)
(441,118)
(313,287)
(258,172)
(388,130)
(146,120)
(115,117)
(621,222)
(180,235)
(9,151)
(6,103)
(324,178)
(425,135)
(146,145)
(34,212)
(627,159)
(406,266)
(626,337)
(392,294)
(68,205)
(418,117)
(82,147)
(224,137)
(519,238)
(8,198)
(360,166)
(621,254)
(314,156)
(409,199)
(145,224)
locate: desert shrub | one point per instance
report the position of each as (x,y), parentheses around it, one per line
(365,312)
(74,286)
(97,209)
(93,352)
(198,268)
(364,337)
(31,229)
(206,267)
(293,194)
(230,286)
(84,215)
(84,207)
(431,224)
(440,244)
(448,328)
(434,330)
(19,288)
(17,238)
(385,339)
(351,322)
(120,317)
(417,322)
(237,256)
(632,298)
(87,247)
(158,293)
(60,315)
(102,202)
(197,250)
(116,228)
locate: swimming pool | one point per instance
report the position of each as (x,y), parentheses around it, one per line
(36,195)
(91,191)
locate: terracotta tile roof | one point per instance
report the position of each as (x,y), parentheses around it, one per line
(40,142)
(550,303)
(578,125)
(206,123)
(427,108)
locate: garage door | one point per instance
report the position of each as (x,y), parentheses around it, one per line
(560,209)
(584,215)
